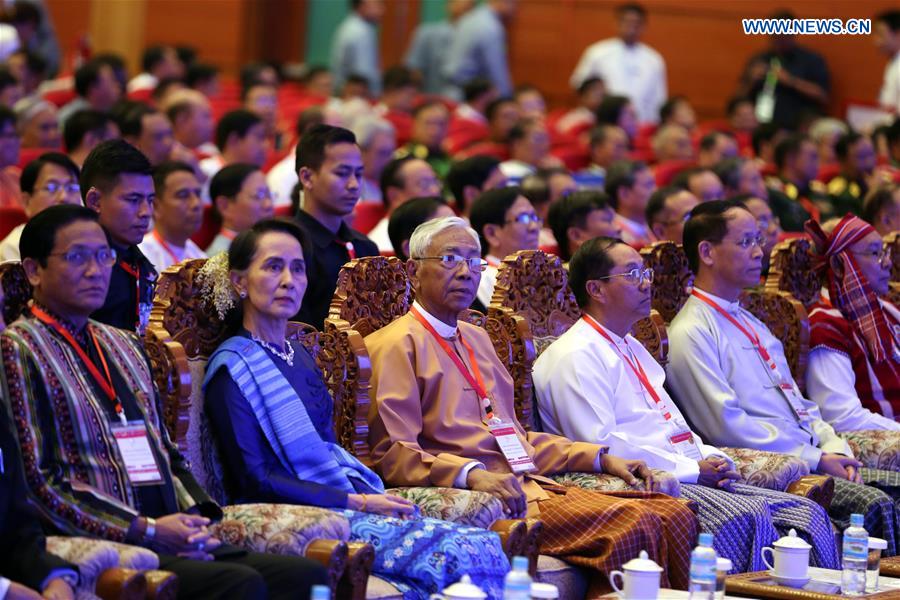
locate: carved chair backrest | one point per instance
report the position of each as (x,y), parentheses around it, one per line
(535,285)
(16,290)
(672,277)
(791,270)
(374,291)
(183,318)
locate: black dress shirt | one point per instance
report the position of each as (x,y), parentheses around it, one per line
(123,308)
(329,253)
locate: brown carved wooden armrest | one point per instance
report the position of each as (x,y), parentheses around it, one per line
(121,584)
(818,488)
(513,533)
(533,543)
(355,580)
(333,554)
(172,377)
(161,585)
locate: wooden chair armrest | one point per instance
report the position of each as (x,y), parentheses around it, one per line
(512,534)
(355,580)
(161,585)
(333,554)
(121,584)
(533,543)
(818,488)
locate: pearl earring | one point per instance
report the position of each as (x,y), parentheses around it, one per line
(243,294)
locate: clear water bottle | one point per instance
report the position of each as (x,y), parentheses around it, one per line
(517,585)
(703,569)
(320,592)
(854,558)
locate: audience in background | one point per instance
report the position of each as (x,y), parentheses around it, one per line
(478,48)
(667,211)
(579,217)
(240,198)
(354,46)
(401,180)
(84,130)
(411,214)
(881,209)
(468,178)
(10,143)
(629,185)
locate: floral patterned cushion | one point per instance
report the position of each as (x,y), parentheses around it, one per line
(279,528)
(767,469)
(876,449)
(93,556)
(464,507)
(667,484)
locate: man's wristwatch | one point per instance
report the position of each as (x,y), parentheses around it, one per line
(150,532)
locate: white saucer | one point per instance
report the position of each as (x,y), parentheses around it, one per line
(794,582)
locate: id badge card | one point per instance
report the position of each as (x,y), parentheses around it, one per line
(795,400)
(685,445)
(134,447)
(511,447)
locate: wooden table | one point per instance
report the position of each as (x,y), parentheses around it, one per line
(890,567)
(760,585)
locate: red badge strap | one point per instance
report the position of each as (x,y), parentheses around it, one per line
(165,246)
(351,251)
(136,273)
(476,381)
(105,383)
(747,331)
(637,370)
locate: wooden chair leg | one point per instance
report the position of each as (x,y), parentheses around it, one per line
(121,584)
(818,488)
(333,555)
(161,585)
(355,581)
(512,534)
(532,545)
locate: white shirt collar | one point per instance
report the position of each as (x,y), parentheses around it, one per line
(492,260)
(443,330)
(732,307)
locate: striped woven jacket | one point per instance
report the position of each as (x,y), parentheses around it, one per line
(75,473)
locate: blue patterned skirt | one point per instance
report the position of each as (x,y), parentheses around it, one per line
(423,556)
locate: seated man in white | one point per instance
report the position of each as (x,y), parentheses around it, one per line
(730,375)
(598,384)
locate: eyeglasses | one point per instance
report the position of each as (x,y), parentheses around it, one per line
(880,256)
(453,261)
(51,187)
(634,276)
(105,257)
(749,241)
(525,219)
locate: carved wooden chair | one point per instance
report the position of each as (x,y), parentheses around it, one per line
(672,277)
(535,285)
(892,241)
(183,332)
(107,569)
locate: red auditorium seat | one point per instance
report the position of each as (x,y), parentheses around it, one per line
(666,171)
(366,215)
(26,155)
(462,133)
(60,98)
(283,211)
(10,218)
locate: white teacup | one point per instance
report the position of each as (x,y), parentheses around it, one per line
(640,579)
(790,556)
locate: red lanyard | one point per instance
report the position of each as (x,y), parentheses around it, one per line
(105,383)
(637,370)
(165,246)
(227,234)
(747,331)
(475,381)
(136,273)
(351,251)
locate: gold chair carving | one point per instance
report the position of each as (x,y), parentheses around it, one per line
(892,241)
(791,270)
(672,277)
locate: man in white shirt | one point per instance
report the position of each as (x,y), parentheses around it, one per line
(627,66)
(177,215)
(506,222)
(241,138)
(598,384)
(50,179)
(887,38)
(354,47)
(730,375)
(402,180)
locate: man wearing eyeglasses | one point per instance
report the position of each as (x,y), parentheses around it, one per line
(50,179)
(88,419)
(854,362)
(597,383)
(732,380)
(444,414)
(506,222)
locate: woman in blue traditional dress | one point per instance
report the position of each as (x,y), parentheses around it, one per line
(272,417)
